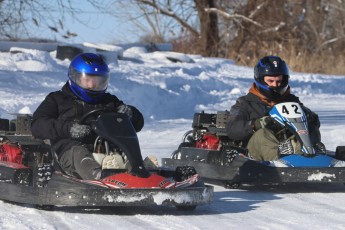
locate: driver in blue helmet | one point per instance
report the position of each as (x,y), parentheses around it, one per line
(250,126)
(57,117)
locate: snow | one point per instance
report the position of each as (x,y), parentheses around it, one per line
(169,88)
(320,176)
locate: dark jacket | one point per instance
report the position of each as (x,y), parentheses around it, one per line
(59,110)
(250,107)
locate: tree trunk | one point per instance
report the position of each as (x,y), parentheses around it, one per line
(209,34)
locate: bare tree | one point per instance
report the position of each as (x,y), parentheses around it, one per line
(200,26)
(8,21)
(21,19)
(180,18)
(299,31)
(243,30)
(209,32)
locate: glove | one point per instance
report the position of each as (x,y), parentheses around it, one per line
(126,110)
(262,122)
(78,131)
(320,148)
(267,122)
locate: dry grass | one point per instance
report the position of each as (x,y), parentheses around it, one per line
(298,59)
(302,60)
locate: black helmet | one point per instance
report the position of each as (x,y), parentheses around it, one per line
(271,66)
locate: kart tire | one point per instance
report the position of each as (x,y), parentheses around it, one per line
(4,124)
(45,207)
(232,185)
(177,153)
(187,208)
(340,153)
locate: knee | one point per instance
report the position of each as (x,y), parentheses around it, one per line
(79,152)
(263,146)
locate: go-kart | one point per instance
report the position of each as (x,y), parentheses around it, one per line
(222,161)
(30,172)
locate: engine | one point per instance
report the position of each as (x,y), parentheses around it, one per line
(208,141)
(11,153)
(209,130)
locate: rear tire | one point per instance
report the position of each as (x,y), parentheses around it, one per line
(4,124)
(177,153)
(232,185)
(187,208)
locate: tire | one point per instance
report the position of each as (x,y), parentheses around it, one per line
(340,153)
(69,52)
(176,153)
(187,208)
(45,207)
(232,185)
(4,124)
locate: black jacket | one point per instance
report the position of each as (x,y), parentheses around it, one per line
(250,107)
(59,110)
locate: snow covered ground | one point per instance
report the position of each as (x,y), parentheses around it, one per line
(169,93)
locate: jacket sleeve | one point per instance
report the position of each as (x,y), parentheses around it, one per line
(46,124)
(312,118)
(239,127)
(313,124)
(137,117)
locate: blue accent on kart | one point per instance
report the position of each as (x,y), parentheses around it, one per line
(297,124)
(274,113)
(297,160)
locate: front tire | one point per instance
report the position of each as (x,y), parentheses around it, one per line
(340,153)
(45,207)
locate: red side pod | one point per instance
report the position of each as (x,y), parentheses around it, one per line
(126,180)
(208,141)
(11,153)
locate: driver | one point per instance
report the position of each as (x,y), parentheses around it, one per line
(251,127)
(57,117)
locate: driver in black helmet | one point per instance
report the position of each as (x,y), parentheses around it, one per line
(57,117)
(250,127)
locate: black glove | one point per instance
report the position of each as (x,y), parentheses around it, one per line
(126,110)
(78,131)
(262,122)
(266,122)
(320,148)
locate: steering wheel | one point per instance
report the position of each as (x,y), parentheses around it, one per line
(92,115)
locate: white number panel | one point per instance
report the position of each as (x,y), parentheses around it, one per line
(290,110)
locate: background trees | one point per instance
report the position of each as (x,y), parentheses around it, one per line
(309,35)
(20,19)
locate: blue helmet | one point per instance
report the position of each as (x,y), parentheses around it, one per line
(271,66)
(88,77)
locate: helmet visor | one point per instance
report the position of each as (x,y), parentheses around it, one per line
(90,82)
